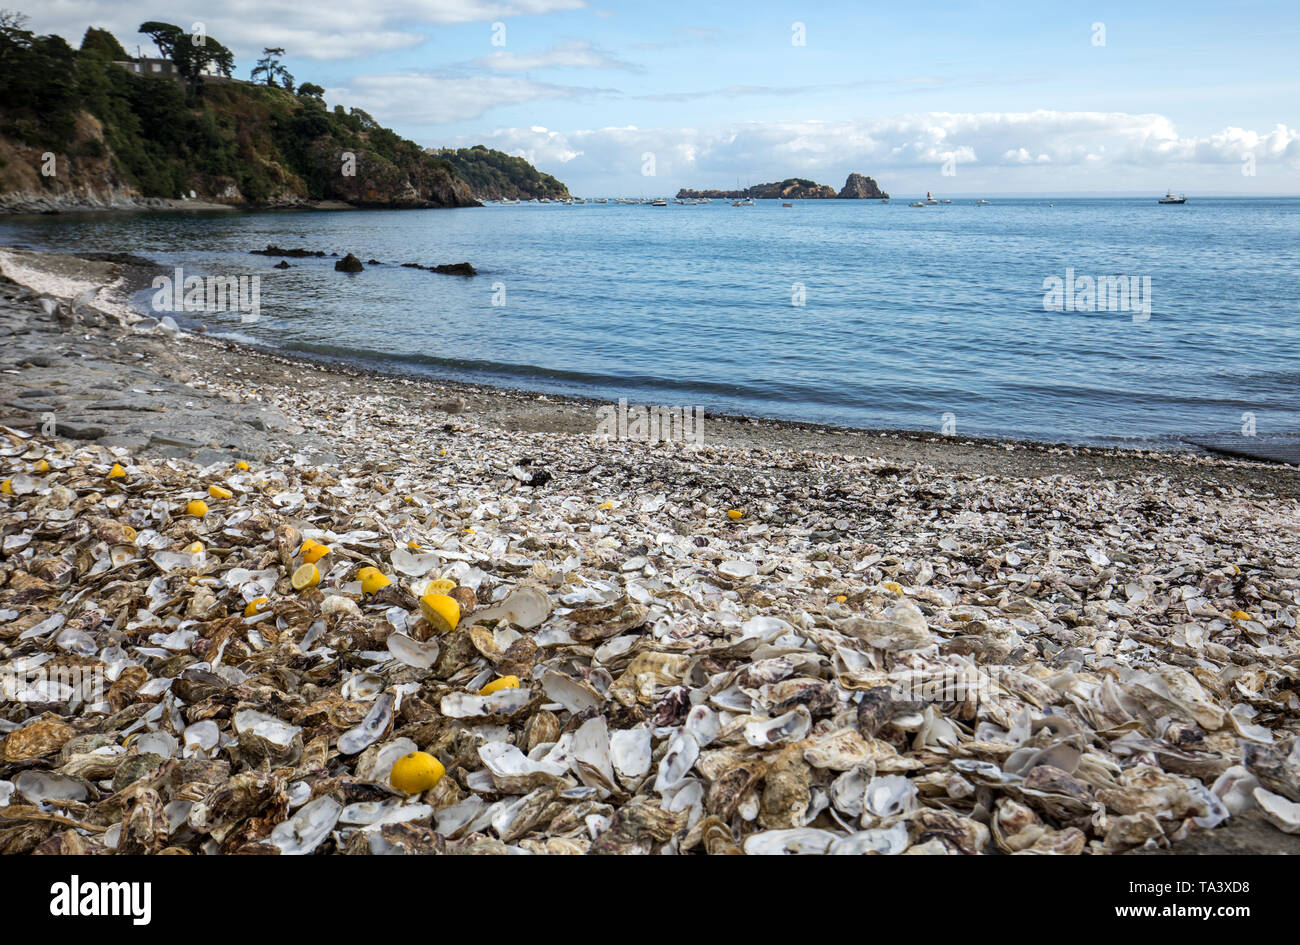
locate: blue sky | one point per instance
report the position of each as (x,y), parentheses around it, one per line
(958,97)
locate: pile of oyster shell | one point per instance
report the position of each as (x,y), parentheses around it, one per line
(867,660)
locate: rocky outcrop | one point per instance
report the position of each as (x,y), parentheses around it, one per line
(857,187)
(495,175)
(378,183)
(456,269)
(793,188)
(349,263)
(296,252)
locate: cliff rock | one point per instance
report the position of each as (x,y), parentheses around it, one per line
(857,187)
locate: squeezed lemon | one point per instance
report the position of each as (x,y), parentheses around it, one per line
(442,612)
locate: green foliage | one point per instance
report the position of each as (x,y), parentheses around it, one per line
(262,138)
(270,69)
(494,174)
(40,73)
(102,43)
(191,54)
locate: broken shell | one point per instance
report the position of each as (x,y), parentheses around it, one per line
(1281,813)
(412,652)
(524,607)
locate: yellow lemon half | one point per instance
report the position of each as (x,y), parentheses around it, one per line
(42,466)
(735,514)
(242,465)
(1240,615)
(256,606)
(416,772)
(374,582)
(840,599)
(217,492)
(440,586)
(501,682)
(305,577)
(442,612)
(196,507)
(893,586)
(117,472)
(194,547)
(7,487)
(315,552)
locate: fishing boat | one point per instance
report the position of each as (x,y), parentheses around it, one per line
(981,203)
(507,201)
(945,201)
(916,204)
(929,200)
(1171,197)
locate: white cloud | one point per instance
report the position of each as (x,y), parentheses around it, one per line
(576,54)
(1097,145)
(417,98)
(306,28)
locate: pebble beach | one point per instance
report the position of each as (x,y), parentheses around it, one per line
(784,639)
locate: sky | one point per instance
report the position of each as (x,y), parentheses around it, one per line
(641,98)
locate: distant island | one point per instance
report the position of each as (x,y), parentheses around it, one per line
(856,187)
(96,128)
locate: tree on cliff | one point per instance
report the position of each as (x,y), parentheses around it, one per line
(99,42)
(38,83)
(191,53)
(270,69)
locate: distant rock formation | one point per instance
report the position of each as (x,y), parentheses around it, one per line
(858,187)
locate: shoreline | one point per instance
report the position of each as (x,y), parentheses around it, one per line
(521,410)
(37,204)
(1129,596)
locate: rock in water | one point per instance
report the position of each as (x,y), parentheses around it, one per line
(857,187)
(456,269)
(349,263)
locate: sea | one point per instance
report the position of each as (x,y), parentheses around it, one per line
(1115,321)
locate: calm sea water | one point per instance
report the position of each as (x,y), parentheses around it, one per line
(908,314)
